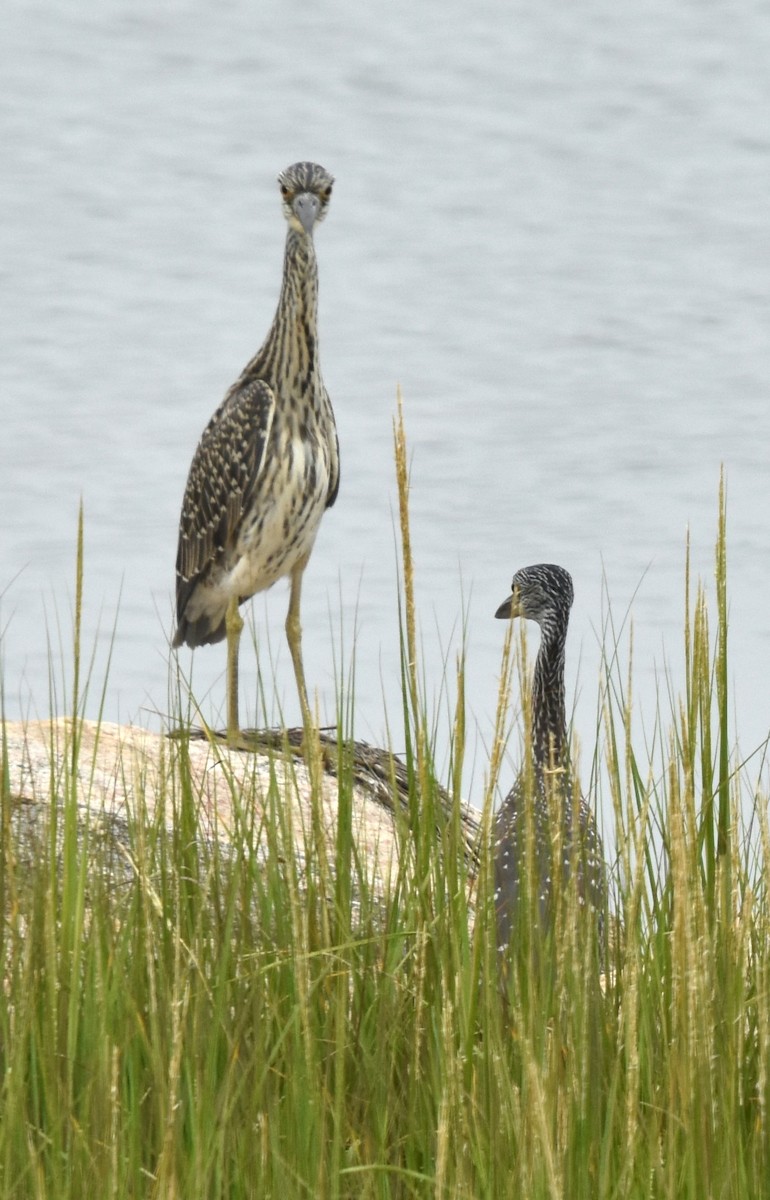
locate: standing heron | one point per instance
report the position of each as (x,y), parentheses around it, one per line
(267,465)
(541,804)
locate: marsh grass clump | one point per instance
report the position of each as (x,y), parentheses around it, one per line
(252,1018)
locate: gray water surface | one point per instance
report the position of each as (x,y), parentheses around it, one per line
(550,227)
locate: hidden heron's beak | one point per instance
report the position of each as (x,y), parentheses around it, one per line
(509,608)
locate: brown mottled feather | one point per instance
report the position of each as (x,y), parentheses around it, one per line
(220,488)
(543,802)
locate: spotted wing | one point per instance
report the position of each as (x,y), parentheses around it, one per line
(221,487)
(334,455)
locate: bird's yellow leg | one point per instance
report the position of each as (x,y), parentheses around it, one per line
(294,638)
(311,742)
(233,627)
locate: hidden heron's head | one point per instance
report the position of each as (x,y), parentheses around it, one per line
(541,593)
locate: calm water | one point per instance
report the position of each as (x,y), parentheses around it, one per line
(550,226)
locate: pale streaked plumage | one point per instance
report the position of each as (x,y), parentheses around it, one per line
(267,465)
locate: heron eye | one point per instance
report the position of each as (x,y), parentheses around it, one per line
(284,191)
(327,193)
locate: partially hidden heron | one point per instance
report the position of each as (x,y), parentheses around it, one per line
(267,465)
(542,805)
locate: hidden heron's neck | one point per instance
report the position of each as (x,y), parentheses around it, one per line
(549,718)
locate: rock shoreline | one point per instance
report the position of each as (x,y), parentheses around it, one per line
(124,772)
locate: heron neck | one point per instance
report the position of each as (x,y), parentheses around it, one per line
(290,351)
(549,718)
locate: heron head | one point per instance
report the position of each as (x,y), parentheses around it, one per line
(539,593)
(306,190)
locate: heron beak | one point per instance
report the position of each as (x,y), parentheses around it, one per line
(306,207)
(509,608)
(504,611)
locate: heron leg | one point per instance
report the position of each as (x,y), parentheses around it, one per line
(233,627)
(294,638)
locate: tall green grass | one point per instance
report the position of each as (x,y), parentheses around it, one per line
(223,1023)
